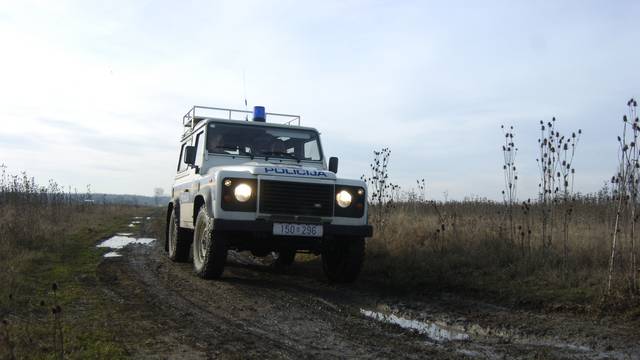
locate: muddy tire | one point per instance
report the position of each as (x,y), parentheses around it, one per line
(178,239)
(285,258)
(209,248)
(342,259)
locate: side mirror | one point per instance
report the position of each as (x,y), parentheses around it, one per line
(333,164)
(190,155)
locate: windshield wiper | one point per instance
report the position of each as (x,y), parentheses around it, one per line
(276,153)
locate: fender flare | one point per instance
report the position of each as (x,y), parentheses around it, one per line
(202,200)
(207,196)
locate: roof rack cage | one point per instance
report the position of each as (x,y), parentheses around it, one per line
(198,113)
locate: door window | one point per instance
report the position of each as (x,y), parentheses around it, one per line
(182,166)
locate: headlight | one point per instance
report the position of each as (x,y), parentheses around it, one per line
(343,198)
(242,192)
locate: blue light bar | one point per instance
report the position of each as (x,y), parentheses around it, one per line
(259,114)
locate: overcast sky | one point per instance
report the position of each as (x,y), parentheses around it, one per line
(92,92)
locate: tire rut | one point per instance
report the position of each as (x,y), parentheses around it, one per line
(287,320)
(256,312)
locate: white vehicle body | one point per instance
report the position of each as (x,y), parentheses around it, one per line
(298,191)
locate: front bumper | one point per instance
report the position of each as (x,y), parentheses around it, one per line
(265,226)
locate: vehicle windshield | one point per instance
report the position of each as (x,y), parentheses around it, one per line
(267,142)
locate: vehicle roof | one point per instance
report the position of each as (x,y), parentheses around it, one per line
(204,121)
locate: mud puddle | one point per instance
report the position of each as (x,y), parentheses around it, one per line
(435,332)
(120,241)
(475,340)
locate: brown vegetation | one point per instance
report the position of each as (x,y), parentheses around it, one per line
(36,221)
(47,252)
(466,246)
(511,251)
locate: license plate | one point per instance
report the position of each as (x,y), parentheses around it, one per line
(297,229)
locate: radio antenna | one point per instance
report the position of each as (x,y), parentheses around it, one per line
(244,90)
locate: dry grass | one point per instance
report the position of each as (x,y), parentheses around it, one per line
(466,247)
(36,221)
(563,249)
(47,237)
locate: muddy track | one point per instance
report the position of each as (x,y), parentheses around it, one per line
(257,312)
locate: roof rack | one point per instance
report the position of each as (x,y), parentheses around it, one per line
(190,119)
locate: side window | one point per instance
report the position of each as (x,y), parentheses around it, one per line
(199,149)
(182,166)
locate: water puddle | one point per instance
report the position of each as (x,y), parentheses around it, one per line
(433,331)
(439,332)
(121,240)
(137,220)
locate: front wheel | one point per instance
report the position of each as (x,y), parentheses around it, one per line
(342,259)
(209,248)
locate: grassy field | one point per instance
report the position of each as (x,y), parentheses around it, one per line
(467,247)
(51,294)
(49,262)
(559,250)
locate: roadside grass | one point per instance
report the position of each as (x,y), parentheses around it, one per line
(463,247)
(42,244)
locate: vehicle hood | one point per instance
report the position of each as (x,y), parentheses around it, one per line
(287,170)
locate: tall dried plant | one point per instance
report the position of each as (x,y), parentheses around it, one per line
(382,193)
(546,165)
(557,175)
(626,188)
(510,192)
(565,195)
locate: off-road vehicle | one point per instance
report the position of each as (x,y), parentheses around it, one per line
(246,183)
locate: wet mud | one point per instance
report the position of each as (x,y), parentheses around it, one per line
(256,311)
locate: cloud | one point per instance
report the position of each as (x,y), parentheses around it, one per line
(97,89)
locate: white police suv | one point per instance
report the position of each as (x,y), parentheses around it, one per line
(248,184)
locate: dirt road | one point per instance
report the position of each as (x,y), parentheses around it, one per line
(257,312)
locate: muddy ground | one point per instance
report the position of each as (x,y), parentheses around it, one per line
(254,311)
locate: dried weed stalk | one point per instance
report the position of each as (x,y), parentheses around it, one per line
(626,187)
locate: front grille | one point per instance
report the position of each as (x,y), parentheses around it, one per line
(293,198)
